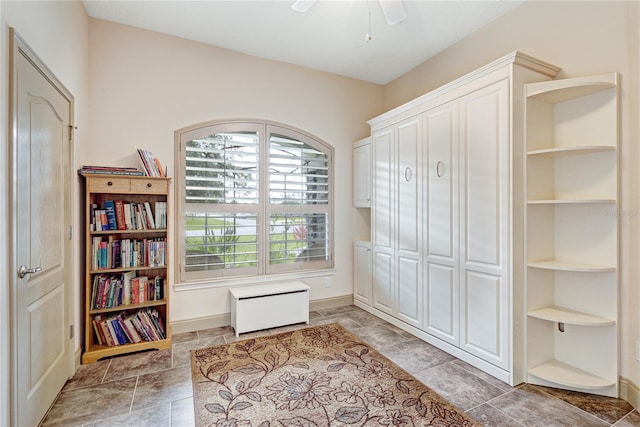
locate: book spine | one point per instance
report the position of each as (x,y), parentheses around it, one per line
(110,172)
(120,220)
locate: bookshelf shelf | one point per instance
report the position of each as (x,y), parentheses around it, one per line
(129,232)
(122,270)
(127,307)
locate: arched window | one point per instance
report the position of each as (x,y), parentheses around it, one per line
(253,198)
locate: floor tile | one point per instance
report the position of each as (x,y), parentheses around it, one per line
(182,351)
(606,408)
(91,404)
(224,331)
(154,416)
(458,386)
(532,407)
(489,416)
(184,337)
(182,413)
(631,419)
(139,363)
(88,375)
(160,387)
(415,355)
(482,375)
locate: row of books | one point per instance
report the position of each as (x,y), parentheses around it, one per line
(108,253)
(129,328)
(151,163)
(109,170)
(121,215)
(114,290)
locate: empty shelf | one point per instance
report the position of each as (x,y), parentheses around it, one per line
(570,151)
(567,375)
(571,266)
(564,315)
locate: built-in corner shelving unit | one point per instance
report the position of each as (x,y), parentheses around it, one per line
(572,233)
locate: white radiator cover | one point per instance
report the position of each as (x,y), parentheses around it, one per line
(267,306)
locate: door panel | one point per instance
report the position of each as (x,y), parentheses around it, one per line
(409,291)
(441,307)
(485,174)
(383,284)
(42,148)
(484,305)
(408,178)
(441,314)
(383,196)
(441,140)
(362,275)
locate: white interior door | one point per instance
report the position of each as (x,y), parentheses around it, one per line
(441,243)
(41,195)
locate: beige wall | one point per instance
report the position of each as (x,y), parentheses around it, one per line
(58,33)
(582,38)
(146,85)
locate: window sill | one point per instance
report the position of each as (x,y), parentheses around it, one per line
(251,280)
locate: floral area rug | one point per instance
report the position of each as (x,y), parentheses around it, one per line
(319,376)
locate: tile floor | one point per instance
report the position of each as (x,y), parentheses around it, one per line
(154,388)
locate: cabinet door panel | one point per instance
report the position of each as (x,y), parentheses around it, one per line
(362,272)
(484,308)
(441,314)
(383,190)
(362,176)
(408,184)
(441,140)
(383,284)
(409,290)
(484,134)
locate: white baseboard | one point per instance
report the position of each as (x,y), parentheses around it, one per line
(323,304)
(200,323)
(221,320)
(630,392)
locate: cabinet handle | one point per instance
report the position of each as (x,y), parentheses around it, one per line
(438,169)
(148,185)
(109,183)
(407,174)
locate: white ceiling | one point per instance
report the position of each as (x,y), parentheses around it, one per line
(329,37)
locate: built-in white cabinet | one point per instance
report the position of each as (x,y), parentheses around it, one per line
(467,251)
(448,249)
(362,173)
(396,222)
(572,233)
(362,272)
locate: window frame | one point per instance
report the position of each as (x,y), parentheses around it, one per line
(264,208)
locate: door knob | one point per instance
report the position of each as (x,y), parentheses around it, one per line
(23,270)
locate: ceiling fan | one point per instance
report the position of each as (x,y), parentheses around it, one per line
(393,10)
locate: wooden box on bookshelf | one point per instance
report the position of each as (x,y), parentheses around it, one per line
(126,265)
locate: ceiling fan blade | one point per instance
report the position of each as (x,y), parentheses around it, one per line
(393,11)
(302,5)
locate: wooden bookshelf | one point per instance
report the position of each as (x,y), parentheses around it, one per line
(114,299)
